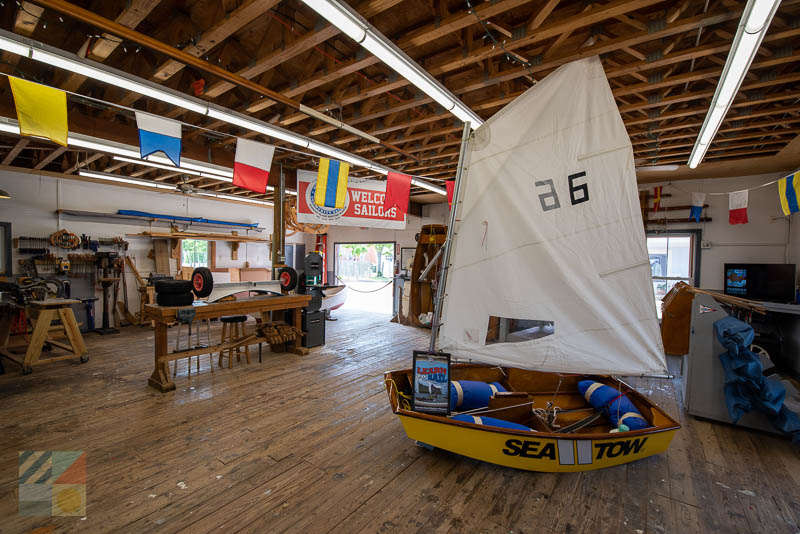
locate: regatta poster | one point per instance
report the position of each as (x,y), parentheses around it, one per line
(363,205)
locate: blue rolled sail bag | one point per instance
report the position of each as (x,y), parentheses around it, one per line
(617,407)
(468,395)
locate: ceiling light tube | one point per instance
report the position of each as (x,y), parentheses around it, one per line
(257,126)
(357,28)
(429,186)
(233,197)
(114,178)
(341,18)
(85,68)
(752,27)
(156,165)
(185,168)
(15,44)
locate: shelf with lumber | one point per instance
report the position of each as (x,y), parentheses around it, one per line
(126,219)
(233,237)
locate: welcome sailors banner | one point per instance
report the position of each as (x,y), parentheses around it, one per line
(363,205)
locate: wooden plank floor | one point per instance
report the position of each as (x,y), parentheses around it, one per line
(308,444)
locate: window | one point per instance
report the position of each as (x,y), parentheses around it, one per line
(194,253)
(670,262)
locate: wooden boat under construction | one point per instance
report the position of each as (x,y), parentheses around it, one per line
(546,447)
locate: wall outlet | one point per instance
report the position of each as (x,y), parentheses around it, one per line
(705,244)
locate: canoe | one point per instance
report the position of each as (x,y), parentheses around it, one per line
(544,448)
(333,297)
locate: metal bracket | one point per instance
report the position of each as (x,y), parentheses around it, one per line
(185,315)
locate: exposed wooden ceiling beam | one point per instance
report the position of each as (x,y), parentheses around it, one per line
(135,12)
(25,22)
(50,157)
(216,34)
(14,152)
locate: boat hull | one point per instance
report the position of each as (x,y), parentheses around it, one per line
(536,452)
(543,448)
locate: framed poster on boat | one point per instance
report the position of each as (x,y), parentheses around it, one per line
(431,387)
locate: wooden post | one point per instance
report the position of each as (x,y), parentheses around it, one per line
(160,379)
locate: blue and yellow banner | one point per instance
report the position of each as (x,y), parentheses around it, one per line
(787,192)
(331,190)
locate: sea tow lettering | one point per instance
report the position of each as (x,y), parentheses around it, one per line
(530,449)
(370,204)
(534,449)
(617,448)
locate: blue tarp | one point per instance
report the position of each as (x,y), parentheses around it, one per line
(746,387)
(185,219)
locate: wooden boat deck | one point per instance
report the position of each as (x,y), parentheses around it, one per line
(309,444)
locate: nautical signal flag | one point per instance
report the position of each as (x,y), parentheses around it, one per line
(451,186)
(41,110)
(737,205)
(398,189)
(251,164)
(698,201)
(331,190)
(788,188)
(157,134)
(656,198)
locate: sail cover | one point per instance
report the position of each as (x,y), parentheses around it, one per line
(549,264)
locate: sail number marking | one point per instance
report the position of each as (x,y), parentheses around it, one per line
(578,191)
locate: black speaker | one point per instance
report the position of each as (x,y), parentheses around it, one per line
(314,327)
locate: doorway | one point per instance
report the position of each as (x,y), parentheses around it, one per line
(367,269)
(674,257)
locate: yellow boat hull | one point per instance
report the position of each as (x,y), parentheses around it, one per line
(543,448)
(533,452)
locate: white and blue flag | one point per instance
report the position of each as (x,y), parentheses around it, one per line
(157,134)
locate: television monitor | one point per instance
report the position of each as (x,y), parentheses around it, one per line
(774,282)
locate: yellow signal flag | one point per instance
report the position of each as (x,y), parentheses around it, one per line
(41,110)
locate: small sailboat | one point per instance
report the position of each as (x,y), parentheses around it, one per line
(545,284)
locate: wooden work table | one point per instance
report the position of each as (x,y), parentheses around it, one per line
(162,316)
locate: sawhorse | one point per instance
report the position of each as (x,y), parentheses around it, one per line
(43,313)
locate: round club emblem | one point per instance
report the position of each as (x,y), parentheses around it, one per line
(328,214)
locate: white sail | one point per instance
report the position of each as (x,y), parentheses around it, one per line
(549,238)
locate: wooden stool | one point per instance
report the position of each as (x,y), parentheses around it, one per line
(232,330)
(44,313)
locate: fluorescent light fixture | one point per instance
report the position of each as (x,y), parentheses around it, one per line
(183,169)
(86,69)
(339,15)
(363,33)
(339,154)
(429,186)
(342,19)
(752,28)
(15,47)
(114,178)
(156,165)
(240,199)
(101,145)
(257,126)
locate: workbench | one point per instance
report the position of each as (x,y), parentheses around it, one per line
(261,306)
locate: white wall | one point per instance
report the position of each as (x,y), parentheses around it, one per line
(35,199)
(431,214)
(765,239)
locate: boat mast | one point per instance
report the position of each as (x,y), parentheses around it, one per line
(437,303)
